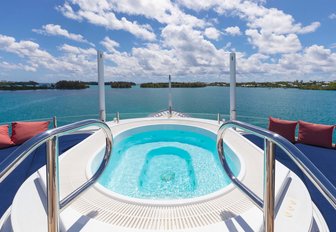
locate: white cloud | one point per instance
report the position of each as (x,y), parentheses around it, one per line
(180,43)
(265,26)
(313,59)
(233,30)
(80,62)
(310,28)
(332,16)
(212,33)
(16,66)
(77,50)
(75,62)
(256,63)
(271,30)
(184,52)
(110,44)
(218,5)
(68,12)
(314,62)
(24,48)
(163,11)
(100,13)
(271,20)
(57,30)
(273,43)
(189,45)
(103,13)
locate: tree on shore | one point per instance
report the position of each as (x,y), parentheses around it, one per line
(70,85)
(174,85)
(122,84)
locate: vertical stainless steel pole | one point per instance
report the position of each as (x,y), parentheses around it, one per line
(52,185)
(54,121)
(269,185)
(101,85)
(118,117)
(233,113)
(170,100)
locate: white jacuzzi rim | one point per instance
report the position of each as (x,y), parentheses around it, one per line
(170,202)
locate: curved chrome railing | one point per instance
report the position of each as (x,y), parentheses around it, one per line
(327,189)
(51,137)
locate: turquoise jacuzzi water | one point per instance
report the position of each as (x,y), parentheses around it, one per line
(165,162)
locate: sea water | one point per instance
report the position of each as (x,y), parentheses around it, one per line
(254,105)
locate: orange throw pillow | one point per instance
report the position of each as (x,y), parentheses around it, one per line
(315,134)
(22,131)
(5,140)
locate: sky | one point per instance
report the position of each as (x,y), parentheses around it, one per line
(146,40)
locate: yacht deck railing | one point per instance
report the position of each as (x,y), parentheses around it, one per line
(67,119)
(50,137)
(271,139)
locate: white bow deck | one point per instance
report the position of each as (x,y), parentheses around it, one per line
(226,209)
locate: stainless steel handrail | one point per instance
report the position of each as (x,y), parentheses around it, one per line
(50,137)
(327,189)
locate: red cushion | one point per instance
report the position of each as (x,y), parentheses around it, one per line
(315,134)
(5,140)
(284,128)
(22,131)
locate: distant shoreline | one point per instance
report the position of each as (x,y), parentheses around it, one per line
(31,85)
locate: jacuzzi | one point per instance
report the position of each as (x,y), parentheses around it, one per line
(165,164)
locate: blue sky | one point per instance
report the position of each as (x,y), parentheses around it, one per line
(145,40)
